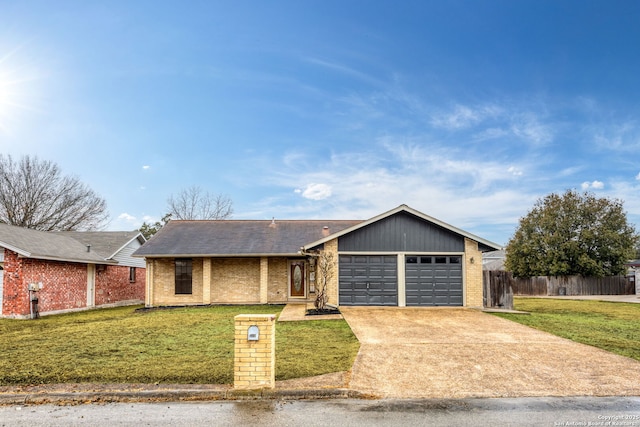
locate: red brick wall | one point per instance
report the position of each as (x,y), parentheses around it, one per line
(14,296)
(64,285)
(112,285)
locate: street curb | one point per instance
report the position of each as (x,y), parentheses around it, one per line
(70,398)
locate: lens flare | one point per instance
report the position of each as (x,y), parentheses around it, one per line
(16,88)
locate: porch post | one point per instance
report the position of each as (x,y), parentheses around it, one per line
(264,280)
(206,281)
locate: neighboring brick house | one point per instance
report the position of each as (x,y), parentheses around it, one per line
(76,270)
(399,258)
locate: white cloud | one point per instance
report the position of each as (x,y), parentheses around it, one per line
(622,137)
(460,188)
(146,167)
(492,121)
(464,116)
(638,177)
(126,217)
(316,191)
(529,127)
(597,185)
(514,171)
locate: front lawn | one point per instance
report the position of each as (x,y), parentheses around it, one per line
(180,345)
(611,326)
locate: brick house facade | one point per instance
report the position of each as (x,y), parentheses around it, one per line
(401,257)
(64,274)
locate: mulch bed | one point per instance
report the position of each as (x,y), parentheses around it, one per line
(316,312)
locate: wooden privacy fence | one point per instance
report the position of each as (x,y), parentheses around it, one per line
(498,289)
(500,286)
(573,285)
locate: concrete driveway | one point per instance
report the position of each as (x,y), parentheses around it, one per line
(458,353)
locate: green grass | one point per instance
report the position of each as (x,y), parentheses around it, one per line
(181,345)
(611,326)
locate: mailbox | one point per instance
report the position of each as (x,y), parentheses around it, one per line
(253,334)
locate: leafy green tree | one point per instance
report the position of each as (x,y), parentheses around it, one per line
(572,234)
(148,229)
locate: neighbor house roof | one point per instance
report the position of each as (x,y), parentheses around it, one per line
(238,237)
(105,243)
(47,245)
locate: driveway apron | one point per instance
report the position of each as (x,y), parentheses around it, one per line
(458,353)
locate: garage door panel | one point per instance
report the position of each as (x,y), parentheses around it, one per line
(433,280)
(368,280)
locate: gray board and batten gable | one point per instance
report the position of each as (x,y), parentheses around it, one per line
(404,229)
(233,238)
(402,232)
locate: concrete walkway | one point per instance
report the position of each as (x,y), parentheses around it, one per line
(461,353)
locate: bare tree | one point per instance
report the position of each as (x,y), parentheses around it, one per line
(325,270)
(34,194)
(194,203)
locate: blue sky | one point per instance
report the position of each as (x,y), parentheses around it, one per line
(468,111)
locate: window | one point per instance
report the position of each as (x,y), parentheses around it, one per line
(183,276)
(132,274)
(412,259)
(441,260)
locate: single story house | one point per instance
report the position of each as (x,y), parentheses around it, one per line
(493,260)
(399,258)
(67,271)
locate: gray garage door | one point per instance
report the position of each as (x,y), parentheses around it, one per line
(368,280)
(433,280)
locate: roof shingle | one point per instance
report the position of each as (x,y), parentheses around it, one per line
(238,237)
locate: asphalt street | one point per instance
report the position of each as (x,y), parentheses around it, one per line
(583,411)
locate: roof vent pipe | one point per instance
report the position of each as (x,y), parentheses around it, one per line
(88,248)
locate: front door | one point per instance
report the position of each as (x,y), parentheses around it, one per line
(297,279)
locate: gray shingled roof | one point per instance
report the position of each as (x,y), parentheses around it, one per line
(45,245)
(238,237)
(104,243)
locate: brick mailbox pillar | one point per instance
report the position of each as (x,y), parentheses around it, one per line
(255,351)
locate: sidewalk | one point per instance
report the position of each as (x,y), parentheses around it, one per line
(329,386)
